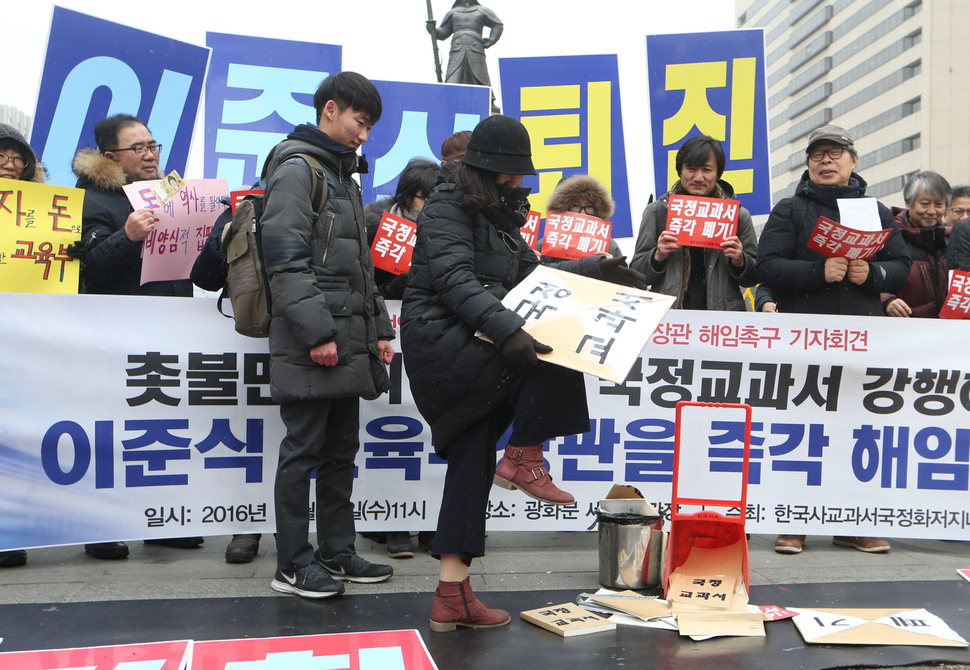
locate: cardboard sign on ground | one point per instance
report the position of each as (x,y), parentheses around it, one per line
(592,326)
(161,655)
(899,626)
(568,620)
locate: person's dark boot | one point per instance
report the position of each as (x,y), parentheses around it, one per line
(456,605)
(523,468)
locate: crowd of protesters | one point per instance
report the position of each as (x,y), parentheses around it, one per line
(468,254)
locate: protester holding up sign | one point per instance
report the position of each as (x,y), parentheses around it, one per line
(700,278)
(467,257)
(582,194)
(927,196)
(803,280)
(17,161)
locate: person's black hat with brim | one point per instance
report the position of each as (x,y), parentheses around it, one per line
(500,144)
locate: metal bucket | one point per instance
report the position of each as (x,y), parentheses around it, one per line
(629,545)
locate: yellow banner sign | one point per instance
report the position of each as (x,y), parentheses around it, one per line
(38,223)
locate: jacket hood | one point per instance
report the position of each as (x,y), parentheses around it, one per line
(932,239)
(582,185)
(344,158)
(32,169)
(98,170)
(856,188)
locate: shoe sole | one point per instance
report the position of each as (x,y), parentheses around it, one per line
(405,553)
(788,550)
(447,627)
(283,587)
(361,580)
(240,557)
(509,486)
(873,550)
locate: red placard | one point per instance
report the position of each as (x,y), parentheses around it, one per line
(702,222)
(571,235)
(235,197)
(379,650)
(530,231)
(834,240)
(957,303)
(161,655)
(394,244)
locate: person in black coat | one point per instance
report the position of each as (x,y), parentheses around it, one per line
(468,255)
(798,279)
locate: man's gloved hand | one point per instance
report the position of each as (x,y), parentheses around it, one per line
(520,349)
(615,270)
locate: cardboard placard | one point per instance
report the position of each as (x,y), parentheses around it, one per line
(394,244)
(571,235)
(957,303)
(592,326)
(702,222)
(898,626)
(568,620)
(38,223)
(835,240)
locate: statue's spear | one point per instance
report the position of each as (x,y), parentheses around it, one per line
(434,43)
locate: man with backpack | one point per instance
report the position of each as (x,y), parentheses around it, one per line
(329,335)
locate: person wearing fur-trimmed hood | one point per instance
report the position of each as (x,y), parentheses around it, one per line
(581,193)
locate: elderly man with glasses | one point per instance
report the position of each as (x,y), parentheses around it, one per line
(112,236)
(805,281)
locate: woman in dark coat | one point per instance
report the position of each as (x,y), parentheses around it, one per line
(468,255)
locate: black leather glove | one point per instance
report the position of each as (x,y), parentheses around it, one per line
(615,270)
(520,349)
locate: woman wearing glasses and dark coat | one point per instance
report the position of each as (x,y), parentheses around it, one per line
(111,232)
(467,257)
(805,281)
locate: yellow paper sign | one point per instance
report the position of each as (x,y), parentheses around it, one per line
(38,223)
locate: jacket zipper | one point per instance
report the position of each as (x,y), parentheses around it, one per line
(326,248)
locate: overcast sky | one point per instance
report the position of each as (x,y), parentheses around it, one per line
(386,39)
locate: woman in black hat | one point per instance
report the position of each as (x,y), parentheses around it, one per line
(468,255)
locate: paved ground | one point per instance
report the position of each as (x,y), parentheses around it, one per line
(515,561)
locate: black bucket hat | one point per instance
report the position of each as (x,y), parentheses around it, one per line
(500,144)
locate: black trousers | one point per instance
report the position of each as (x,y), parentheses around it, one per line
(321,435)
(544,402)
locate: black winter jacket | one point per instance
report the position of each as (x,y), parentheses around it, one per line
(321,276)
(796,274)
(462,267)
(112,262)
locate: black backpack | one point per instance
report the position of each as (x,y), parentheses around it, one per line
(247,285)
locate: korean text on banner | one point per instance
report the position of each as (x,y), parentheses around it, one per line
(256,91)
(592,326)
(702,222)
(182,225)
(832,239)
(38,223)
(712,84)
(95,68)
(957,303)
(530,231)
(571,107)
(394,244)
(572,236)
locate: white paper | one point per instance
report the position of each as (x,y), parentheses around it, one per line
(860,214)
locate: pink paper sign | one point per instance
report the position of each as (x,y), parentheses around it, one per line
(394,244)
(183,224)
(530,231)
(957,303)
(571,235)
(834,240)
(702,222)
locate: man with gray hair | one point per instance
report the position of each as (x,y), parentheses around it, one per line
(959,205)
(927,195)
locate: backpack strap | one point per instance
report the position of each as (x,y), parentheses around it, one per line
(318,183)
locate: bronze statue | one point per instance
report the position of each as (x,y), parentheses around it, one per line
(465,23)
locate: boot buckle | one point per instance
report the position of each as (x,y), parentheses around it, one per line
(537,473)
(514,455)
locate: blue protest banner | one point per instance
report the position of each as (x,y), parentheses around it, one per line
(257,91)
(416,119)
(95,68)
(571,106)
(712,84)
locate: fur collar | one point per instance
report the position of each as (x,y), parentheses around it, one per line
(102,171)
(571,188)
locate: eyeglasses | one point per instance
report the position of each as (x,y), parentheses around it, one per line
(835,153)
(141,149)
(960,212)
(18,162)
(585,209)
